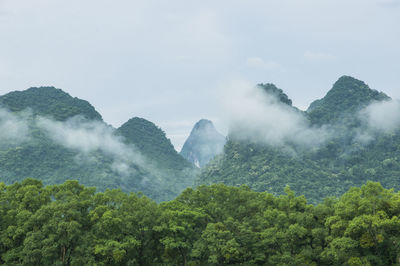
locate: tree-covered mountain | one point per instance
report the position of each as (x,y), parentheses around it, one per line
(48,101)
(152,142)
(58,137)
(347,151)
(271,89)
(347,96)
(203,143)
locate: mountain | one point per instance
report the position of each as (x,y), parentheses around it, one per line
(50,102)
(347,96)
(203,143)
(152,142)
(271,89)
(63,138)
(349,155)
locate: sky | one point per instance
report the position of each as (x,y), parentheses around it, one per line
(169,61)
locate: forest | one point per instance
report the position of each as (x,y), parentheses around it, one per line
(354,148)
(70,224)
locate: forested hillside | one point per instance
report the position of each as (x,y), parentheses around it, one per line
(69,224)
(346,144)
(49,135)
(152,142)
(48,102)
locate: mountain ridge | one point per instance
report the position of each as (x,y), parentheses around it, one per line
(343,159)
(67,139)
(347,95)
(49,101)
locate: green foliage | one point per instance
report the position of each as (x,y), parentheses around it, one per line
(271,89)
(49,102)
(152,142)
(347,96)
(161,173)
(317,171)
(70,224)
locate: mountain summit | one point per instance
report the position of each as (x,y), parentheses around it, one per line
(271,89)
(203,144)
(49,102)
(347,96)
(152,142)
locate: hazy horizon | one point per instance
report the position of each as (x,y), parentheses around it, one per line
(168,61)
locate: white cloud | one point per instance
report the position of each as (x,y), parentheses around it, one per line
(382,116)
(258,117)
(12,127)
(89,136)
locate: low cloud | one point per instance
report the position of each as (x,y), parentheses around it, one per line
(91,136)
(12,127)
(382,116)
(256,116)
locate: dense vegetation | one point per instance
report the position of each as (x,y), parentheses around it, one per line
(271,89)
(48,101)
(330,169)
(347,96)
(137,156)
(70,224)
(152,142)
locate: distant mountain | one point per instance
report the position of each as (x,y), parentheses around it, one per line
(350,155)
(48,101)
(271,89)
(65,138)
(152,142)
(347,96)
(203,144)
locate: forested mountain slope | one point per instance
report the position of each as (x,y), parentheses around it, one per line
(55,137)
(50,102)
(203,143)
(349,150)
(152,142)
(347,96)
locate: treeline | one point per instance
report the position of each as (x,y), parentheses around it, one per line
(70,224)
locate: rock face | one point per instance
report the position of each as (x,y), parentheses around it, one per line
(203,144)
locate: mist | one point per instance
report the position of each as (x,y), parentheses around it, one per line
(255,116)
(86,137)
(382,116)
(12,128)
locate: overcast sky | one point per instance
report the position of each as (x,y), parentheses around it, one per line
(167,60)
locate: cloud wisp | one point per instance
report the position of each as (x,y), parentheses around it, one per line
(256,116)
(382,116)
(12,128)
(91,136)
